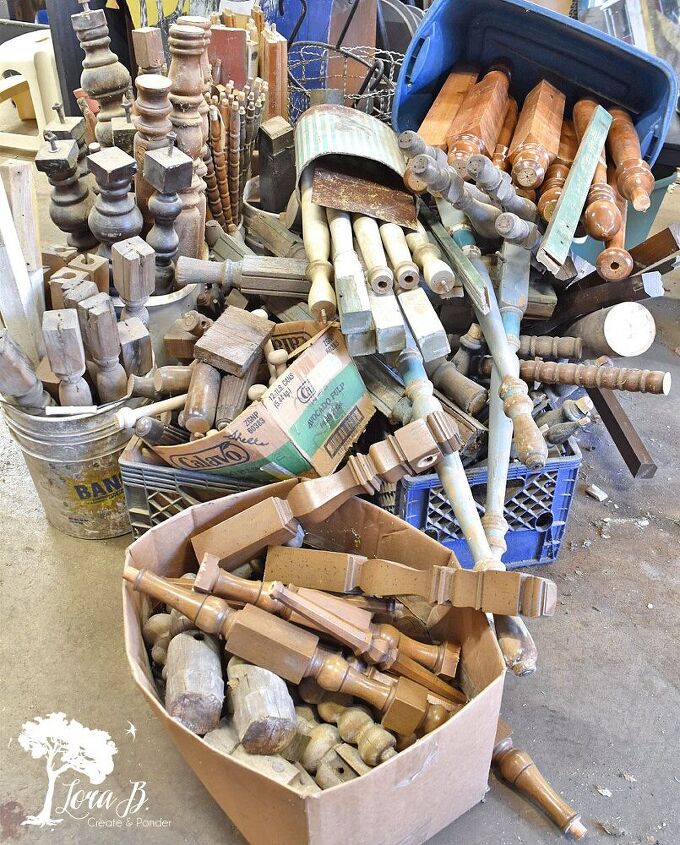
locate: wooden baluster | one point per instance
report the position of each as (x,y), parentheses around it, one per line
(201,404)
(292,653)
(133,263)
(537,135)
(438,276)
(556,174)
(220,165)
(633,175)
(115,215)
(601,216)
(104,78)
(500,153)
(434,129)
(233,171)
(317,240)
(405,270)
(70,198)
(478,124)
(103,343)
(187,45)
(615,262)
(153,125)
(66,355)
(169,171)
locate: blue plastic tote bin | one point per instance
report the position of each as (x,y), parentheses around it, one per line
(540,44)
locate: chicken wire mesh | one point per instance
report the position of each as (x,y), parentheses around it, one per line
(366,76)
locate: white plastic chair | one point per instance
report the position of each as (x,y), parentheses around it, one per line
(35,90)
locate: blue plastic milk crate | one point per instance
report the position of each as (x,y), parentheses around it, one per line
(536,507)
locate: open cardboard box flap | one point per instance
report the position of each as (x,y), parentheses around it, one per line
(404,801)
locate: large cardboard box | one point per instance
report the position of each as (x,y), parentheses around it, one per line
(406,800)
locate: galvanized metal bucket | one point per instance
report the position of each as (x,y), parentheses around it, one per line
(73,462)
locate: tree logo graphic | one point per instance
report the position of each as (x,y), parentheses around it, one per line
(65,744)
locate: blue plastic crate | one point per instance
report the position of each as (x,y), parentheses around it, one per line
(537,506)
(540,44)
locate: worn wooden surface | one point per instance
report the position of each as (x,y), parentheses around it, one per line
(233,341)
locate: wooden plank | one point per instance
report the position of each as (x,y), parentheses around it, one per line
(559,235)
(20,307)
(233,341)
(18,179)
(622,431)
(274,70)
(229,45)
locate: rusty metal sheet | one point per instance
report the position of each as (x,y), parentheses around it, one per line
(345,191)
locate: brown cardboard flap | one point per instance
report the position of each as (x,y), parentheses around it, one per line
(402,802)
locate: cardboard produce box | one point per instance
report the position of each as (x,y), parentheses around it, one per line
(305,423)
(405,800)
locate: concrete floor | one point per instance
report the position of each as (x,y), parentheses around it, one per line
(600,716)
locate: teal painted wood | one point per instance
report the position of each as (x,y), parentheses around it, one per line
(559,235)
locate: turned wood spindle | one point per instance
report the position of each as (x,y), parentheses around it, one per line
(500,153)
(152,121)
(186,95)
(537,136)
(66,355)
(114,216)
(18,380)
(236,128)
(633,175)
(70,198)
(133,262)
(202,394)
(556,174)
(615,263)
(104,78)
(476,127)
(317,241)
(379,274)
(601,216)
(168,171)
(220,165)
(103,344)
(499,187)
(292,653)
(520,771)
(405,270)
(439,277)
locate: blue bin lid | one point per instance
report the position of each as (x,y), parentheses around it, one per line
(540,44)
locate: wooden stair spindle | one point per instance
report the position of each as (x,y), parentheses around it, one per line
(379,274)
(234,158)
(66,355)
(70,198)
(405,270)
(152,120)
(134,272)
(114,216)
(633,175)
(201,404)
(601,216)
(103,344)
(220,165)
(476,127)
(497,184)
(104,78)
(615,262)
(186,95)
(168,171)
(317,240)
(556,174)
(520,771)
(536,138)
(288,651)
(439,277)
(500,153)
